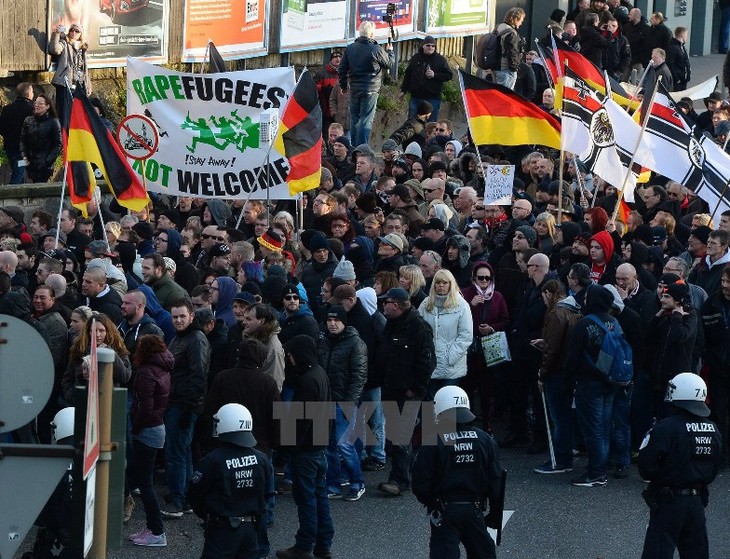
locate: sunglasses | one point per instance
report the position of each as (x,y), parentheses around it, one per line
(430,189)
(291,297)
(205,236)
(484,278)
(479,208)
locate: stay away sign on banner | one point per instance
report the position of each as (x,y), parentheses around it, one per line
(209,130)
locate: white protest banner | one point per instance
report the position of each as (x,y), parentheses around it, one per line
(498,181)
(209,143)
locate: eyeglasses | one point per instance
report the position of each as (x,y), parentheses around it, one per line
(158,238)
(441,130)
(519,236)
(291,297)
(484,278)
(479,208)
(430,189)
(213,288)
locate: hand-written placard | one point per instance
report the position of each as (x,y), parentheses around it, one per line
(498,184)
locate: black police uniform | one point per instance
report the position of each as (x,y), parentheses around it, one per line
(680,456)
(229,490)
(455,479)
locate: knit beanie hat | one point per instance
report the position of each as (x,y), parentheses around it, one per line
(529,233)
(318,242)
(344,270)
(338,312)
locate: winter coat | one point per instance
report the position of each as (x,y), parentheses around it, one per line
(108,302)
(301,322)
(363,63)
(678,63)
(186,275)
(325,80)
(716,325)
(131,333)
(57,331)
(617,56)
(559,324)
(74,376)
(345,359)
(669,345)
(453,333)
(274,363)
(412,130)
(340,108)
(40,141)
(405,354)
(526,84)
(462,267)
(151,391)
(497,315)
(637,34)
(528,321)
(649,83)
(659,36)
(313,276)
(510,44)
(71,65)
(167,291)
(162,318)
(246,384)
(191,350)
(218,340)
(592,44)
(415,81)
(11,123)
(708,275)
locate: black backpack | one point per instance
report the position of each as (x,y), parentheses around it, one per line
(491,52)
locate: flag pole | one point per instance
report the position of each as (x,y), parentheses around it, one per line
(60,204)
(544,62)
(641,80)
(97,197)
(724,144)
(719,200)
(562,148)
(633,154)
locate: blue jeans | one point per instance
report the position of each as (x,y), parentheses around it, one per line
(435,103)
(309,489)
(507,78)
(724,30)
(377,425)
(362,114)
(620,449)
(561,413)
(341,454)
(144,471)
(17,174)
(593,405)
(178,454)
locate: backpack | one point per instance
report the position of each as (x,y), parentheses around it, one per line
(490,57)
(615,358)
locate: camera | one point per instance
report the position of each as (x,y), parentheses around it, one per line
(389,13)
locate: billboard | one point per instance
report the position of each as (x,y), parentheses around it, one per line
(115,29)
(308,24)
(404,17)
(446,17)
(237,27)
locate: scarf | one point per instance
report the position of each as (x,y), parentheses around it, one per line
(486,293)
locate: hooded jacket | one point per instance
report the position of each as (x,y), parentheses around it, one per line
(559,324)
(301,322)
(167,290)
(132,332)
(227,289)
(344,357)
(462,267)
(186,275)
(510,44)
(162,318)
(670,345)
(453,333)
(151,392)
(311,385)
(607,273)
(639,256)
(219,211)
(363,63)
(246,384)
(325,80)
(587,337)
(313,276)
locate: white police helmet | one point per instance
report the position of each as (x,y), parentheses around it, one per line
(688,391)
(453,397)
(233,423)
(63,424)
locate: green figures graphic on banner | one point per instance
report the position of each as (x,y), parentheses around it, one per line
(221,132)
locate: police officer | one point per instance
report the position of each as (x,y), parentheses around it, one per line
(229,487)
(680,456)
(455,478)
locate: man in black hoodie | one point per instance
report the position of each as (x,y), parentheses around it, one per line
(593,394)
(308,460)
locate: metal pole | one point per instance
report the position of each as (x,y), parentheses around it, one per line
(106,386)
(547,428)
(60,204)
(719,200)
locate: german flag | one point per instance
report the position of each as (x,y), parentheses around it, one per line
(498,115)
(299,138)
(623,211)
(89,141)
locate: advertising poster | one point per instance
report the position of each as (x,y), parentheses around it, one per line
(307,24)
(236,27)
(115,29)
(210,140)
(401,12)
(444,17)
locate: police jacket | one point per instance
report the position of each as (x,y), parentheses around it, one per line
(680,451)
(345,359)
(363,63)
(415,81)
(40,141)
(230,481)
(151,391)
(466,468)
(189,376)
(716,324)
(406,355)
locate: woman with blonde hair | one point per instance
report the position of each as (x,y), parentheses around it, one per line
(410,278)
(545,228)
(450,319)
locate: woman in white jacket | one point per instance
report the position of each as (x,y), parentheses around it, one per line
(450,318)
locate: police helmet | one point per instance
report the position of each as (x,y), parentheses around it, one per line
(453,398)
(233,423)
(689,392)
(63,425)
